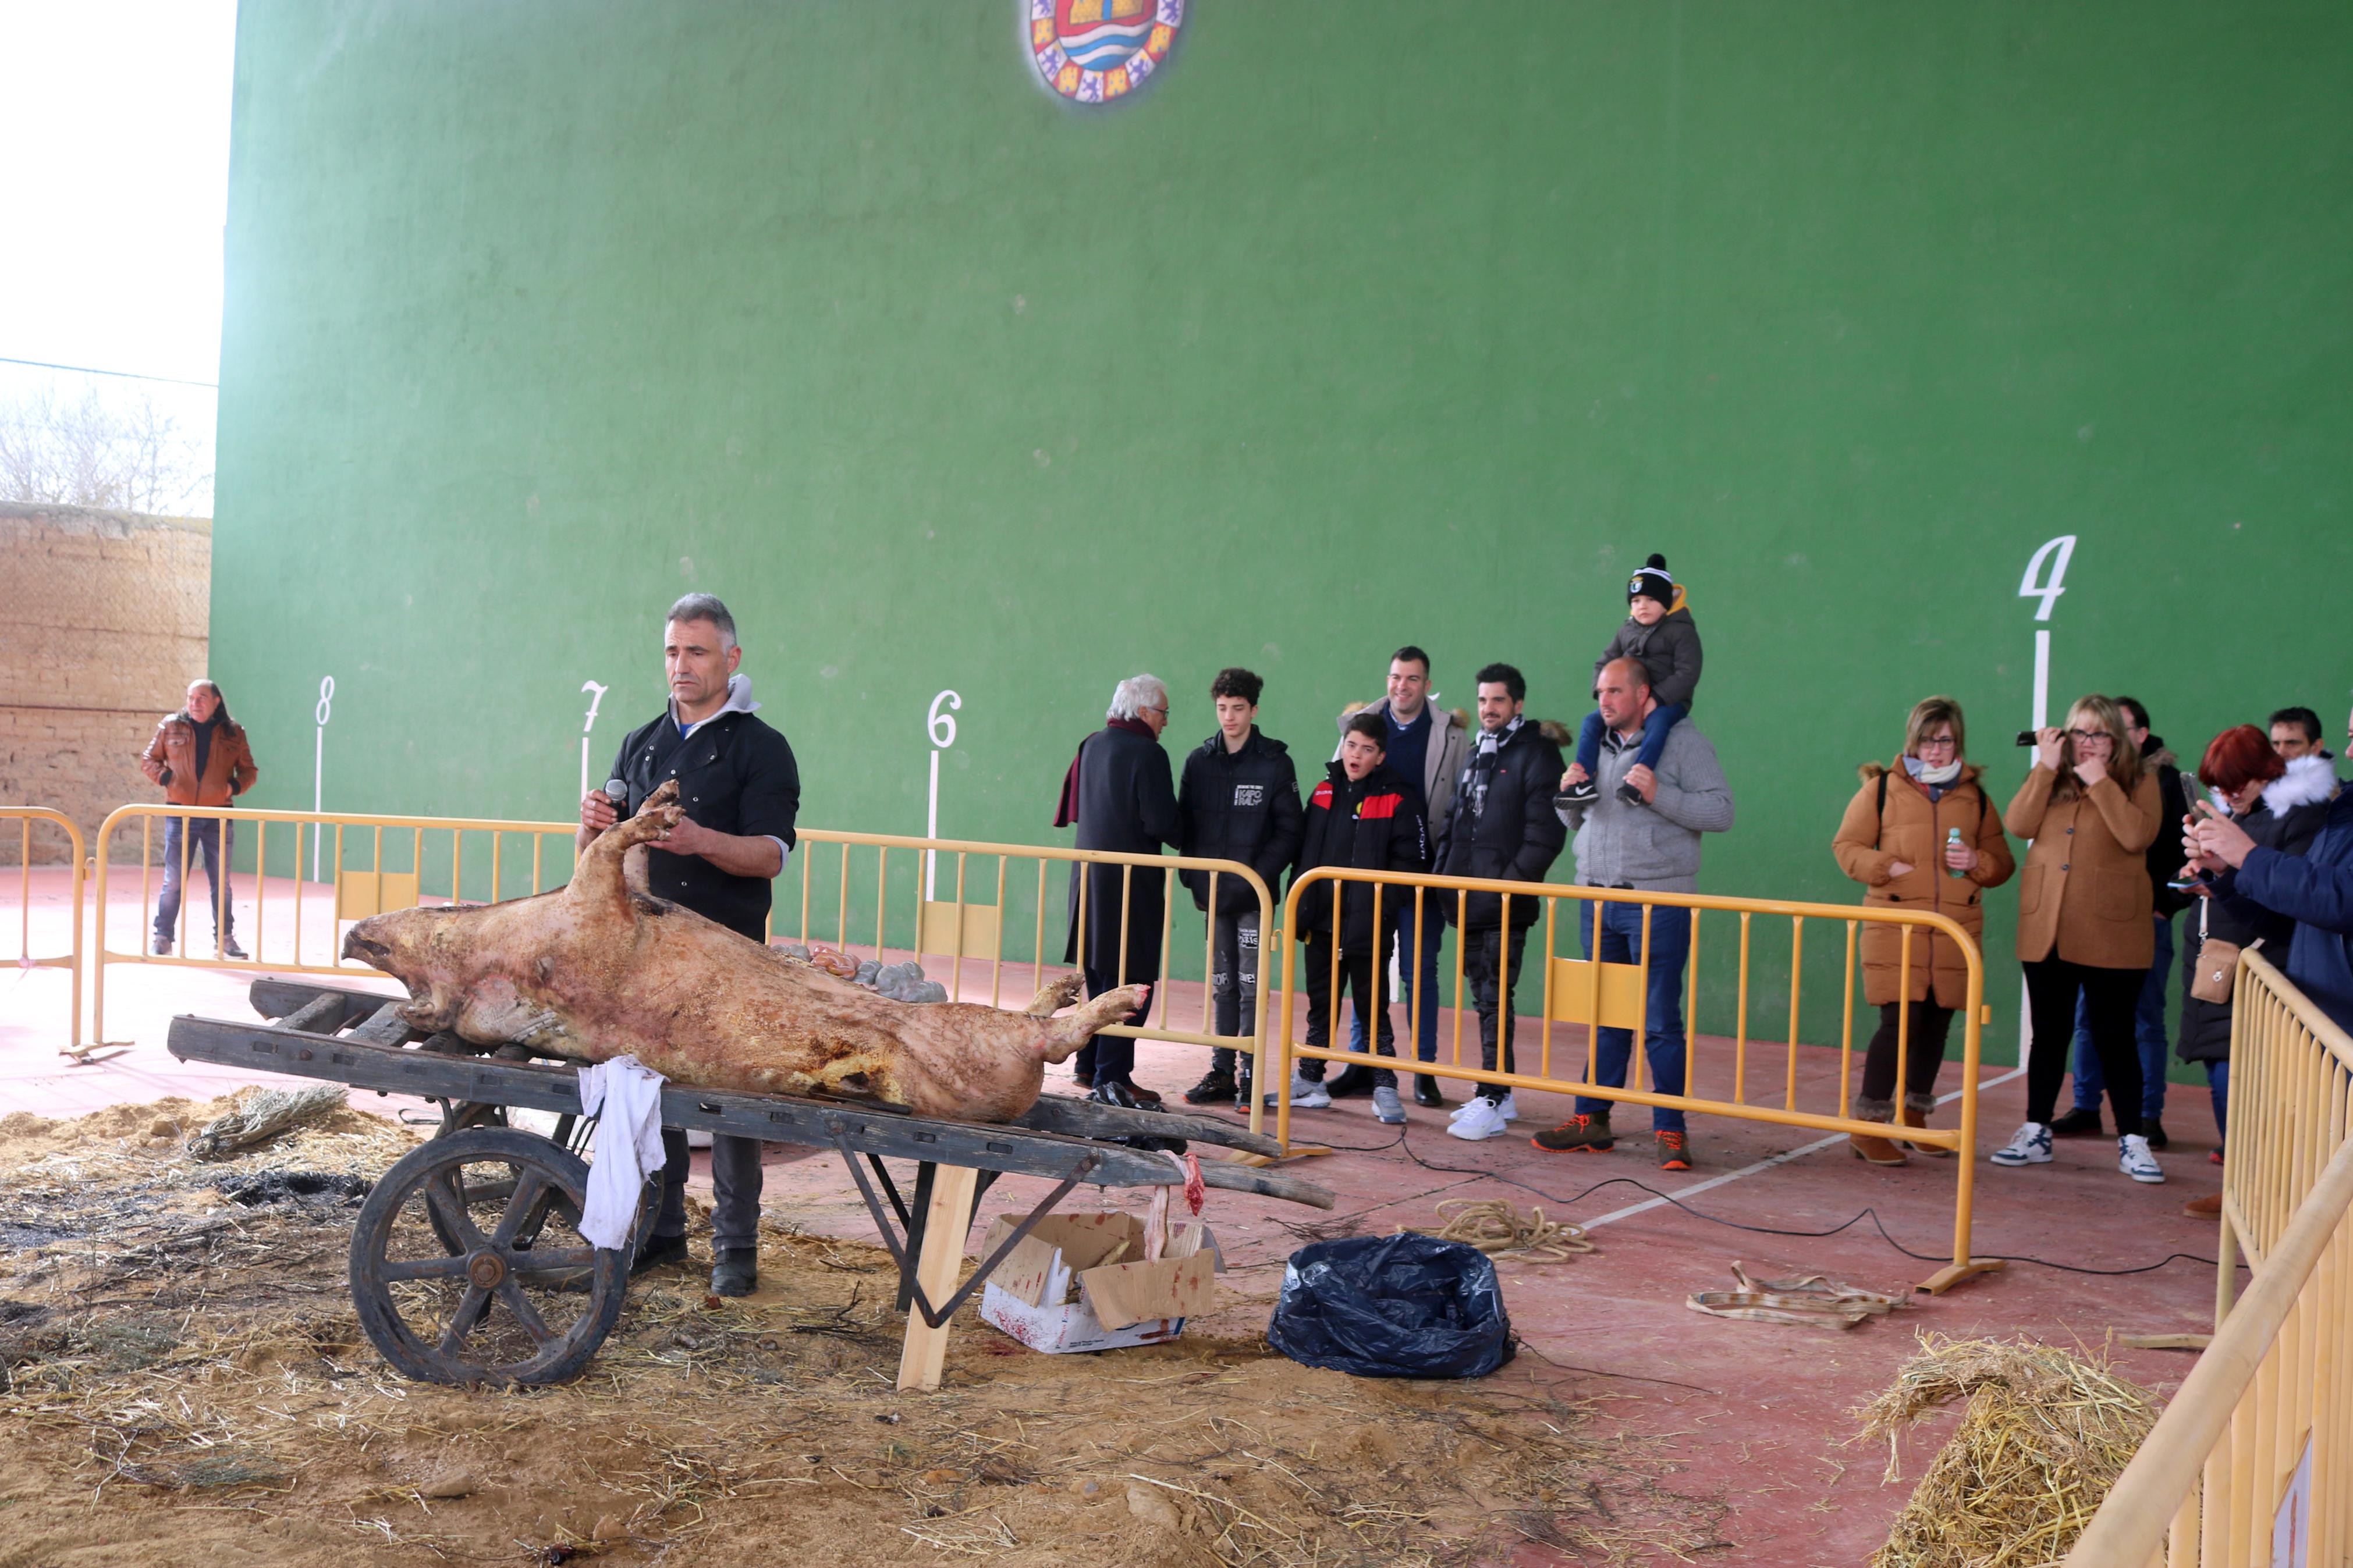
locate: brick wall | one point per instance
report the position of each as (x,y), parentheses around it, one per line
(103,622)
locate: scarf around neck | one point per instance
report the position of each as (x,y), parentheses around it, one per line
(1941,777)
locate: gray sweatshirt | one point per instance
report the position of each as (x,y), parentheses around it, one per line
(1654,847)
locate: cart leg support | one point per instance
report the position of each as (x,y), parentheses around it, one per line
(925,1352)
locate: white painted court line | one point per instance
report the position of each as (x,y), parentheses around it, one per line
(1765,1164)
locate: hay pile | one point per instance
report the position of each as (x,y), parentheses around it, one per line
(2044,1437)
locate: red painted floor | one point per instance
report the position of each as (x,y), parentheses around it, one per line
(1756,1415)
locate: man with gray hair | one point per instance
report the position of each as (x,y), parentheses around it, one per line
(1121,796)
(742,793)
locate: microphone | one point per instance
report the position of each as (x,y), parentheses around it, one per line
(618,791)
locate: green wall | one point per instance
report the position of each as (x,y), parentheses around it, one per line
(1361,323)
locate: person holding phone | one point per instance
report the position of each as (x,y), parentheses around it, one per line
(2084,929)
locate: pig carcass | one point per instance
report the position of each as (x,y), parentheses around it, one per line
(600,968)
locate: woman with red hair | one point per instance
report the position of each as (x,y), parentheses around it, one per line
(2280,805)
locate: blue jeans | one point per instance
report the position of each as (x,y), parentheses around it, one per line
(1663,718)
(209,840)
(2218,1084)
(1417,976)
(2149,1035)
(1622,943)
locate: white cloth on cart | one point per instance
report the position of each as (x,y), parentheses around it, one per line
(624,1096)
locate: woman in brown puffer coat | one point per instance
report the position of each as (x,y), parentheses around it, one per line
(1896,839)
(2083,924)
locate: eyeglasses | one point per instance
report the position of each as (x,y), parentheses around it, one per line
(2085,737)
(1938,743)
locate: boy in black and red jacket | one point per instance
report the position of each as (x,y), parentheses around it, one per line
(1366,816)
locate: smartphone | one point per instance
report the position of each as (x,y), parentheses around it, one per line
(2028,737)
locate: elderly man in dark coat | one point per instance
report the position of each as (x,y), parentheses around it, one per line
(1122,795)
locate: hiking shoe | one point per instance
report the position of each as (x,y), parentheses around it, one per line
(658,1252)
(162,947)
(2154,1130)
(1582,792)
(1307,1094)
(1674,1152)
(2134,1159)
(1577,1135)
(2080,1122)
(1510,1105)
(1425,1092)
(1215,1085)
(2030,1145)
(227,948)
(1480,1117)
(1386,1106)
(736,1273)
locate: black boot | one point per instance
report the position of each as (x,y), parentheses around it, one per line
(736,1272)
(1425,1090)
(1353,1079)
(657,1252)
(2079,1122)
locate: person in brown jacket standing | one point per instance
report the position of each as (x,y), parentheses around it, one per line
(1920,835)
(2084,922)
(201,758)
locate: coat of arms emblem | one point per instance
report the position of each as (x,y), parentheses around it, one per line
(1092,51)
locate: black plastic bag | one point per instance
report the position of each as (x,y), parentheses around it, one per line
(1392,1306)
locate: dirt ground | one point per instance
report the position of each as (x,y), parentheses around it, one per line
(185,1381)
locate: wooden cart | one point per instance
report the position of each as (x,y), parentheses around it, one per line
(467,1265)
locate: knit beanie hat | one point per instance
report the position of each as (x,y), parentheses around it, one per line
(1654,580)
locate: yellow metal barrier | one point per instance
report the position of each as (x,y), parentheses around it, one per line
(296,920)
(2257,1447)
(1612,995)
(429,865)
(70,961)
(972,924)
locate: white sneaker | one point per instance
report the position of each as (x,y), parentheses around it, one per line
(1511,1108)
(2134,1159)
(1307,1094)
(1478,1118)
(2030,1146)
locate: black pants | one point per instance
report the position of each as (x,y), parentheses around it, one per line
(1924,1049)
(1486,950)
(1106,1056)
(1233,980)
(735,1181)
(1361,974)
(2110,996)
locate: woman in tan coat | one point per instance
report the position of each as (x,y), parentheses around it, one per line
(1898,840)
(2083,926)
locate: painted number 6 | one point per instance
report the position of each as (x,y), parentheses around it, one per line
(942,725)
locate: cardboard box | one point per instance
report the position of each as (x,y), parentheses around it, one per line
(1078,1282)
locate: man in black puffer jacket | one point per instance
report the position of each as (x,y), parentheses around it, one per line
(1503,826)
(1363,816)
(1239,801)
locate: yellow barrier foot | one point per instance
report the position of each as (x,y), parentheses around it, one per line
(1952,1274)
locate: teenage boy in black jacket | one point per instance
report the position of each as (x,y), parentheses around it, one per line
(1503,826)
(1364,815)
(1239,801)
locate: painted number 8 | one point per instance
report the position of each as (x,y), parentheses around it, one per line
(942,725)
(326,698)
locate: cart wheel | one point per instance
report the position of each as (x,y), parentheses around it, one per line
(521,1299)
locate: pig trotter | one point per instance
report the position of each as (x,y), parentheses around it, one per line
(1053,997)
(1111,1007)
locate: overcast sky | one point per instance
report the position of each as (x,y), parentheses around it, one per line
(116,114)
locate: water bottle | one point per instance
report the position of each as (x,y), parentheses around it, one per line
(1953,841)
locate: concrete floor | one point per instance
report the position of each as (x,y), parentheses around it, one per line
(1756,1415)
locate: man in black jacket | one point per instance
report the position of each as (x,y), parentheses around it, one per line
(1239,801)
(1364,815)
(742,793)
(1502,827)
(1118,796)
(2149,1015)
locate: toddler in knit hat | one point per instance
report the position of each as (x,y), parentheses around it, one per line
(1659,633)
